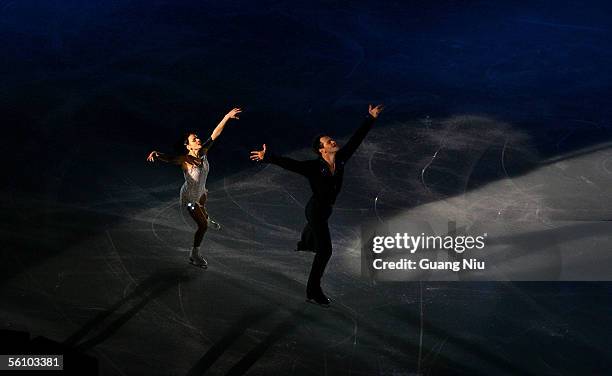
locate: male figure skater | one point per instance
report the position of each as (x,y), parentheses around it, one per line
(325,177)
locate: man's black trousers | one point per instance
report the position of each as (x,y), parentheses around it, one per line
(315,236)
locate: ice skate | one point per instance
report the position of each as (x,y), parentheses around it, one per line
(319,299)
(196,259)
(301,247)
(213,225)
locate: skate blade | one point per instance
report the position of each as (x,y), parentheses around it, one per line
(214,225)
(201,266)
(312,301)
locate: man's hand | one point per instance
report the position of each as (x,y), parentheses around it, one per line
(375,111)
(258,155)
(233,114)
(152,156)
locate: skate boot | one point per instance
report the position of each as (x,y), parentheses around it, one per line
(196,259)
(214,225)
(301,247)
(318,298)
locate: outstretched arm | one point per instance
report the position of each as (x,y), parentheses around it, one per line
(353,143)
(177,160)
(233,114)
(155,156)
(300,167)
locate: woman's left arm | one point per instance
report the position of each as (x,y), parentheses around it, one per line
(233,114)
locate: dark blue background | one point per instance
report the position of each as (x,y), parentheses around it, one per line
(88,88)
(81,78)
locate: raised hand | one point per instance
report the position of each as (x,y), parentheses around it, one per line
(258,155)
(375,111)
(152,156)
(233,114)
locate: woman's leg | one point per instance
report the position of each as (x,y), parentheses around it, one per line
(200,216)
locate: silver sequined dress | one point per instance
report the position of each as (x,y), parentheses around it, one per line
(195,179)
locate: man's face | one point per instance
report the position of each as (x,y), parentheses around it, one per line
(193,142)
(328,145)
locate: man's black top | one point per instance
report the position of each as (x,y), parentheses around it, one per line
(325,185)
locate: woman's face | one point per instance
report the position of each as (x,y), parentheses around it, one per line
(193,142)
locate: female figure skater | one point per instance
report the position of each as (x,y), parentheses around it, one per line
(195,169)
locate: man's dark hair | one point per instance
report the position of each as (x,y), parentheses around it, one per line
(316,143)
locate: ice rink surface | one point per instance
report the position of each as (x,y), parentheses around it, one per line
(497,119)
(126,293)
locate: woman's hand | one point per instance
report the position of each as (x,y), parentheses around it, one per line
(258,155)
(154,154)
(233,114)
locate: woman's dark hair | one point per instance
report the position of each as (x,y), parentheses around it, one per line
(316,143)
(180,144)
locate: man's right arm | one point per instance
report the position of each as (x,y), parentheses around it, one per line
(300,167)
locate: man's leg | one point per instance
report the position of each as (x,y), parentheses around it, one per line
(324,252)
(306,242)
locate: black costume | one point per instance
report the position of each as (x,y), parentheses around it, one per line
(325,188)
